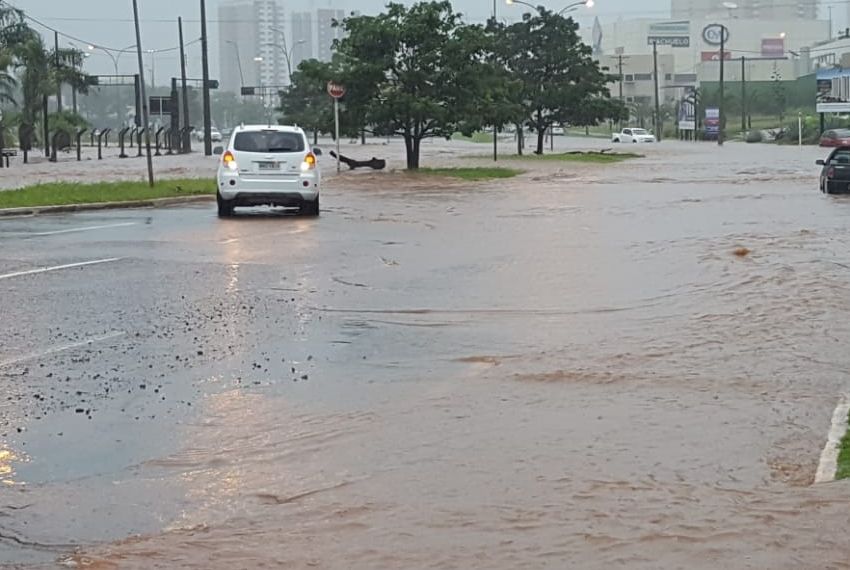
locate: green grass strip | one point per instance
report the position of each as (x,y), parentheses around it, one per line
(843,470)
(64,193)
(472,174)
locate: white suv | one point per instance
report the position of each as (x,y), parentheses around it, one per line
(268,166)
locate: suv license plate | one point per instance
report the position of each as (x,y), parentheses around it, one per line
(269,165)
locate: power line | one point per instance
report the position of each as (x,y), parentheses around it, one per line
(40,23)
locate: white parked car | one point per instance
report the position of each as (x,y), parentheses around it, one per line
(633,136)
(268,166)
(215,135)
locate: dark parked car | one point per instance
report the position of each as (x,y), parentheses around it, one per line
(836,137)
(835,176)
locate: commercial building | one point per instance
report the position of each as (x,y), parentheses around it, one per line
(695,44)
(249,44)
(303,45)
(746,9)
(327,32)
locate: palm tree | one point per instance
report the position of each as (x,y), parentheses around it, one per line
(33,63)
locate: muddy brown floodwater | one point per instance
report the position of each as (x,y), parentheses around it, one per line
(621,366)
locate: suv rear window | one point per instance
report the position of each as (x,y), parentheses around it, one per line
(268,142)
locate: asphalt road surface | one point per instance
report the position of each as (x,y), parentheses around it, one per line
(571,369)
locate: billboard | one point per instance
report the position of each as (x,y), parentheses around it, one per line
(712,122)
(773,47)
(674,33)
(833,90)
(715,55)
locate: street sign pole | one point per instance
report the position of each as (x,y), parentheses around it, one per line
(336,131)
(336,91)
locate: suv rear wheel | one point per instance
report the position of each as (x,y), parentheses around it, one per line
(225,208)
(310,207)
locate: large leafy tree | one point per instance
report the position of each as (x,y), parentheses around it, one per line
(561,82)
(306,102)
(414,72)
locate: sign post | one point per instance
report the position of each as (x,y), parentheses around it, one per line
(336,91)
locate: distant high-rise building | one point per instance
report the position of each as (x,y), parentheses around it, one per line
(755,9)
(250,43)
(302,38)
(327,32)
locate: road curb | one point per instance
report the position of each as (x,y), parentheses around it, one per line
(152,203)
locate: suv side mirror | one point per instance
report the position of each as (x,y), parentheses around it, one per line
(820,162)
(317,151)
(218,150)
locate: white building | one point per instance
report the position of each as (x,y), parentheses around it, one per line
(250,43)
(746,9)
(302,38)
(327,32)
(695,44)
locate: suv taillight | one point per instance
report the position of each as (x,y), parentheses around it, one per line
(309,162)
(229,160)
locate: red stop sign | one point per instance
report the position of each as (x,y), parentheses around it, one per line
(335,90)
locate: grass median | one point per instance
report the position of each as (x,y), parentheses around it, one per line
(65,193)
(591,157)
(472,174)
(843,469)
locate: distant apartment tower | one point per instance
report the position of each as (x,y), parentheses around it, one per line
(250,43)
(327,32)
(302,38)
(750,9)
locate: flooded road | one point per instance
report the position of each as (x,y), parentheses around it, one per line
(577,368)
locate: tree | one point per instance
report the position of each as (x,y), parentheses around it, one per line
(414,72)
(560,79)
(34,71)
(306,102)
(778,92)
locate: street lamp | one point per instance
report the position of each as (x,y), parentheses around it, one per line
(568,8)
(288,56)
(115,59)
(152,53)
(576,5)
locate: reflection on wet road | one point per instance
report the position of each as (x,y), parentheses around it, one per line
(571,369)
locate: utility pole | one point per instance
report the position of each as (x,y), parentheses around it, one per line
(722,94)
(206,78)
(185,139)
(743,94)
(620,64)
(58,65)
(145,119)
(495,127)
(830,22)
(657,103)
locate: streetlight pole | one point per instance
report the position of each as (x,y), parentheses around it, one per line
(567,8)
(152,53)
(287,56)
(722,94)
(145,119)
(238,62)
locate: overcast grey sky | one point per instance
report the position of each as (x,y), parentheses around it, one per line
(109,23)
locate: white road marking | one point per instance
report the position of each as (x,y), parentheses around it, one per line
(85,229)
(829,456)
(58,267)
(61,348)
